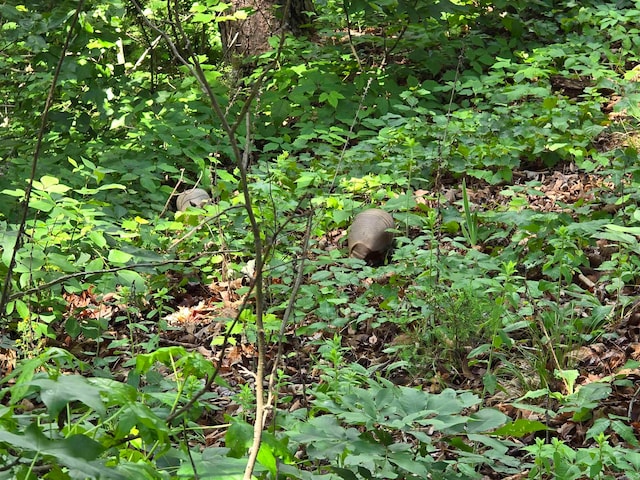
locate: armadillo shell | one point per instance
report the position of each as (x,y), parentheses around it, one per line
(196,197)
(368,237)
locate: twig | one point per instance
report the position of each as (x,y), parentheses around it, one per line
(175,189)
(153,45)
(586,281)
(353,48)
(257,243)
(632,403)
(196,70)
(437,183)
(288,311)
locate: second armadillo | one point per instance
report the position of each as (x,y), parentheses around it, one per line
(196,197)
(368,236)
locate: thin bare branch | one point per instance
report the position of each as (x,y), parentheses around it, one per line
(287,314)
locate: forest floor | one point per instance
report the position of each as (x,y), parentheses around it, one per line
(202,313)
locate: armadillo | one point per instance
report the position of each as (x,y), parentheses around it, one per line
(196,197)
(368,236)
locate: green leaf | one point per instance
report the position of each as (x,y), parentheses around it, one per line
(622,229)
(22,309)
(97,237)
(238,438)
(118,256)
(280,111)
(94,265)
(78,452)
(13,193)
(486,420)
(569,377)
(149,184)
(490,381)
(56,394)
(164,355)
(331,98)
(62,262)
(44,203)
(401,202)
(216,463)
(626,432)
(408,462)
(203,18)
(50,185)
(520,428)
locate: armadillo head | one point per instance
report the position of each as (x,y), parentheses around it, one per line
(360,250)
(195,197)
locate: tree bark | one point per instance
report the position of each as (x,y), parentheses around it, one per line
(250,37)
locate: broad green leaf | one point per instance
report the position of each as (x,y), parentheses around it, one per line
(485,420)
(164,355)
(43,203)
(13,193)
(217,464)
(149,423)
(520,428)
(118,256)
(623,229)
(22,309)
(568,376)
(50,185)
(203,18)
(99,43)
(56,394)
(409,463)
(62,262)
(401,203)
(149,184)
(625,431)
(280,111)
(97,237)
(340,217)
(78,452)
(94,265)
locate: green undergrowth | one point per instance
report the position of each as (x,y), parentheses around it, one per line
(484,297)
(357,425)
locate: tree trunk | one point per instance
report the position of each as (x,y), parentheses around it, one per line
(242,38)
